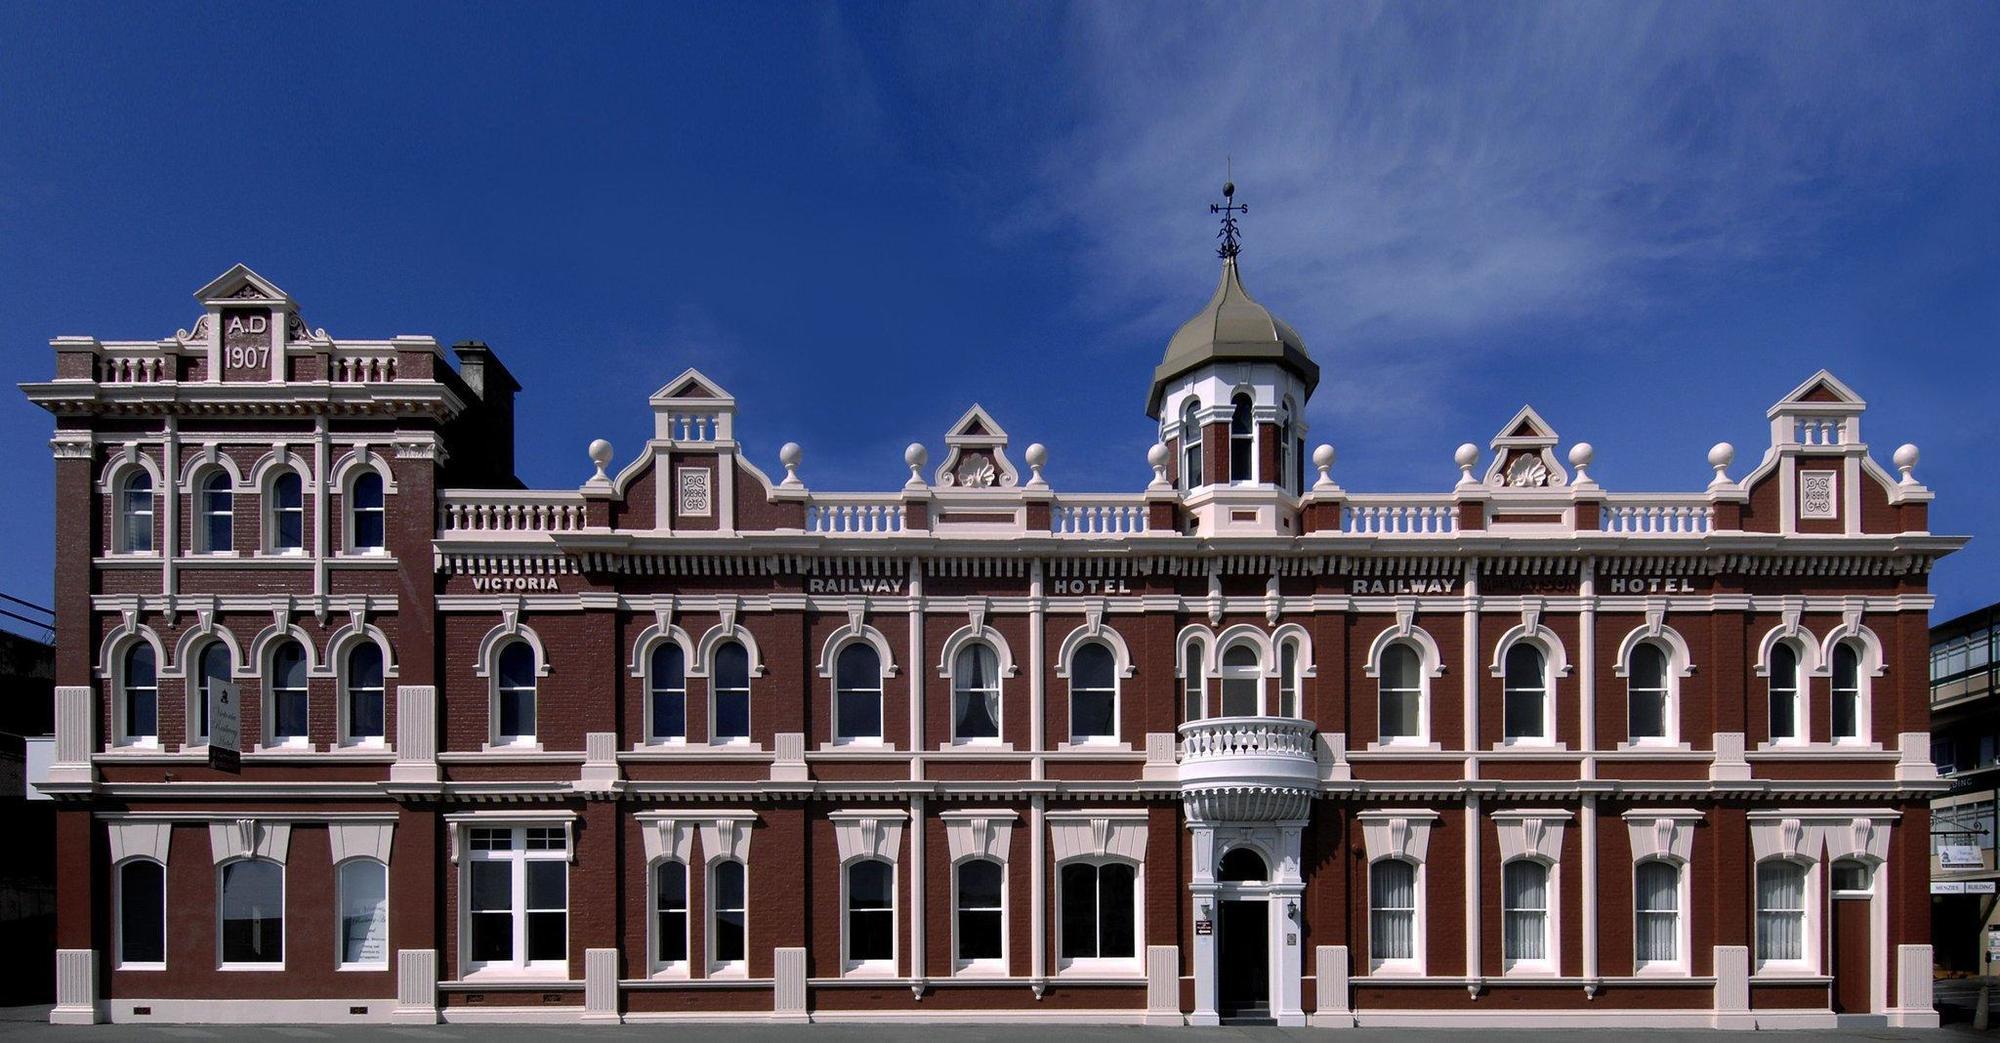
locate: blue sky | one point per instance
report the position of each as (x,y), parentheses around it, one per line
(1648,221)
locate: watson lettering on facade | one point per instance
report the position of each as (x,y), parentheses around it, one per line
(694,741)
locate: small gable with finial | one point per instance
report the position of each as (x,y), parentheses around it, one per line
(976,454)
(1524,454)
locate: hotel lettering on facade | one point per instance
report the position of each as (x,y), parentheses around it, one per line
(695,741)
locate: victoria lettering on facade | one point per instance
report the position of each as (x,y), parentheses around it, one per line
(691,739)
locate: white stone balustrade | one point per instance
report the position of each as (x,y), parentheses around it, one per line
(1398,516)
(689,427)
(1260,768)
(1657,516)
(360,369)
(507,511)
(854,515)
(1098,517)
(151,368)
(1819,430)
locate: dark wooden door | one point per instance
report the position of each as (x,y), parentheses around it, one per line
(1852,975)
(1243,961)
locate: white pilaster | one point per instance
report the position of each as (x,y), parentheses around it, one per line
(1201,893)
(416,987)
(1330,1009)
(788,985)
(1732,987)
(416,736)
(1163,985)
(1914,1007)
(600,986)
(1472,827)
(76,988)
(1038,878)
(917,920)
(1037,651)
(1587,821)
(76,732)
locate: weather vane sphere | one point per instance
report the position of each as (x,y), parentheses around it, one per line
(1229,190)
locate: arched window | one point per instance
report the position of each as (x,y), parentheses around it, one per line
(1781,911)
(1401,687)
(1242,865)
(857,705)
(1288,679)
(1646,694)
(142,914)
(1392,911)
(1242,441)
(253,912)
(729,694)
(289,700)
(1527,694)
(218,513)
(514,694)
(1847,711)
(1099,903)
(1524,885)
(728,921)
(139,694)
(871,913)
(364,692)
(981,913)
(1656,904)
(1242,682)
(365,516)
(670,916)
(215,666)
(1194,683)
(1093,694)
(1786,719)
(364,913)
(288,513)
(667,677)
(975,693)
(135,513)
(1191,444)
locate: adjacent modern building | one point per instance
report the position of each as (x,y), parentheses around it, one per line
(695,740)
(1965,725)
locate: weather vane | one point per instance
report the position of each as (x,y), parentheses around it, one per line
(1228,208)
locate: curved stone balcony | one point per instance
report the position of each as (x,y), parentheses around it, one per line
(1248,769)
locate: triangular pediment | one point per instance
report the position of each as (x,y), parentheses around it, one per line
(692,383)
(1527,425)
(239,283)
(977,425)
(1822,388)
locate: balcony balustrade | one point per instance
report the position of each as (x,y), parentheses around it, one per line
(1248,769)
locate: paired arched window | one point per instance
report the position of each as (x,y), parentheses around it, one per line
(365,695)
(728,921)
(1781,911)
(1194,682)
(1648,699)
(1524,887)
(1242,441)
(1392,911)
(729,694)
(218,513)
(139,694)
(1401,692)
(366,518)
(975,693)
(666,677)
(1099,910)
(214,667)
(253,912)
(871,913)
(1849,712)
(135,513)
(514,695)
(1191,444)
(286,515)
(857,701)
(1093,693)
(1525,712)
(1787,694)
(1656,911)
(142,914)
(670,915)
(1242,682)
(981,913)
(289,701)
(364,913)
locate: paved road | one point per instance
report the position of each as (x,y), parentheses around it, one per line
(15,1024)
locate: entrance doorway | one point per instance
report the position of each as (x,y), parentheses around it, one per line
(1243,960)
(1853,971)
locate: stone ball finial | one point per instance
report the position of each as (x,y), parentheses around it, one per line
(1156,457)
(1467,457)
(916,456)
(1720,456)
(1906,462)
(1323,457)
(791,455)
(600,454)
(1581,454)
(1036,454)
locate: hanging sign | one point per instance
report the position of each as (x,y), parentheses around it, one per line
(225,725)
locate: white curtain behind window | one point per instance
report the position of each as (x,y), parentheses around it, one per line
(1658,894)
(1781,911)
(1392,914)
(1525,893)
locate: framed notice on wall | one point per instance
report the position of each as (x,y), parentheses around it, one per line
(225,725)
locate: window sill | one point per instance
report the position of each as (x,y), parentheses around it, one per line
(975,746)
(869,969)
(1653,746)
(1106,744)
(135,745)
(1782,751)
(1410,745)
(240,968)
(671,972)
(361,968)
(508,975)
(1100,968)
(1529,969)
(123,967)
(735,969)
(981,969)
(738,744)
(1660,970)
(529,746)
(215,555)
(857,746)
(1786,969)
(1396,969)
(1529,746)
(285,746)
(362,747)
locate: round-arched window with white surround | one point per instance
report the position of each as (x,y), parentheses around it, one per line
(1191,444)
(1242,682)
(1525,709)
(975,694)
